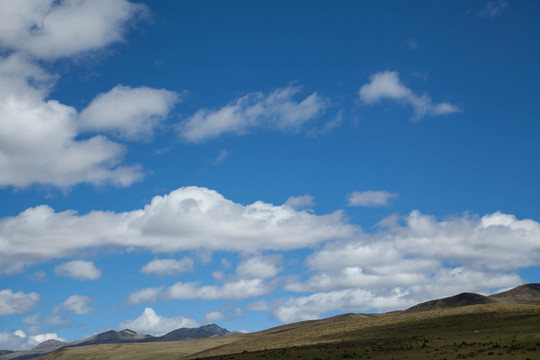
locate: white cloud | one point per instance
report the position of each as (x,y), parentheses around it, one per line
(168,266)
(233,290)
(312,306)
(276,110)
(493,9)
(386,85)
(301,202)
(228,313)
(18,340)
(78,269)
(151,323)
(127,112)
(144,295)
(16,302)
(190,218)
(412,259)
(50,29)
(223,155)
(38,137)
(370,198)
(77,304)
(261,267)
(213,316)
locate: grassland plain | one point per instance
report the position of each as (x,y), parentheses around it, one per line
(486,331)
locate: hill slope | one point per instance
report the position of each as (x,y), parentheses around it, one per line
(524,294)
(463,299)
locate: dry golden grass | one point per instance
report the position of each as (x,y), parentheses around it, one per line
(141,351)
(351,327)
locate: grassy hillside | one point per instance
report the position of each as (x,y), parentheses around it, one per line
(487,331)
(170,350)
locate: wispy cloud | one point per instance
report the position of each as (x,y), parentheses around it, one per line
(387,85)
(78,304)
(277,110)
(223,155)
(370,198)
(493,9)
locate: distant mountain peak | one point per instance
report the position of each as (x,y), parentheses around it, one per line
(49,345)
(524,294)
(463,299)
(195,333)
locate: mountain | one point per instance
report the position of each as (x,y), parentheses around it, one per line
(197,333)
(463,299)
(49,346)
(114,337)
(524,294)
(42,349)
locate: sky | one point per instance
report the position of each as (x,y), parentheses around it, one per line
(168,164)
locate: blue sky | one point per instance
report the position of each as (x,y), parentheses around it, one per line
(169,164)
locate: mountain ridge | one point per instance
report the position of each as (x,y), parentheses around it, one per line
(115,337)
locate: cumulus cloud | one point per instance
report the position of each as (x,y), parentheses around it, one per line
(151,323)
(387,85)
(312,306)
(233,290)
(301,202)
(168,266)
(51,29)
(213,316)
(262,267)
(78,269)
(77,304)
(146,295)
(190,218)
(229,313)
(127,112)
(19,340)
(370,198)
(411,259)
(16,302)
(39,137)
(277,110)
